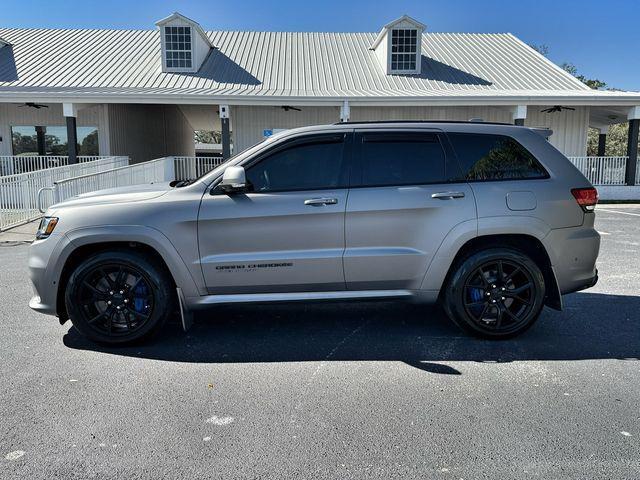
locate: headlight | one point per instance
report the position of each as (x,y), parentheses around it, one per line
(47,224)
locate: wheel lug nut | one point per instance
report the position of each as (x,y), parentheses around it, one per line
(126,301)
(493,301)
(488,294)
(108,302)
(110,292)
(503,289)
(118,307)
(503,298)
(121,292)
(493,286)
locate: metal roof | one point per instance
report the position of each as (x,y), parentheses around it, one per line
(125,65)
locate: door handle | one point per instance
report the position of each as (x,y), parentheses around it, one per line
(320,201)
(447,195)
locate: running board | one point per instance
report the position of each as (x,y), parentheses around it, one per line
(297,296)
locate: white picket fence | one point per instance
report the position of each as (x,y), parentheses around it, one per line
(189,168)
(15,164)
(19,194)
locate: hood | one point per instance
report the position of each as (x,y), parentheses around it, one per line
(134,193)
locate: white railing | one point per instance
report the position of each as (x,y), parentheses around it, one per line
(20,194)
(189,168)
(158,170)
(602,170)
(15,164)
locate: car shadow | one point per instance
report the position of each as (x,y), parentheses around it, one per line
(592,326)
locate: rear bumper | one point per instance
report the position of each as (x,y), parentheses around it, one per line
(573,253)
(587,284)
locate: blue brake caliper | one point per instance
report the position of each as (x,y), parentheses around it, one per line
(140,297)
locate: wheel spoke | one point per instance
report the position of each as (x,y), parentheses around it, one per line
(139,314)
(482,278)
(107,278)
(119,278)
(97,317)
(517,298)
(476,303)
(516,291)
(499,313)
(96,292)
(500,270)
(511,275)
(511,315)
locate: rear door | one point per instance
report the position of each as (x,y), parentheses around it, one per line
(406,195)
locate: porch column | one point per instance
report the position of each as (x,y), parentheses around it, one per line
(345,111)
(40,131)
(602,140)
(632,145)
(519,114)
(226,131)
(70,111)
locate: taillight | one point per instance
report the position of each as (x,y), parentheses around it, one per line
(586,198)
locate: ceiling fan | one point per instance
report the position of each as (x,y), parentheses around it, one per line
(556,108)
(34,105)
(286,108)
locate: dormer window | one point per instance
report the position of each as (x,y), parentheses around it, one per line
(398,46)
(178,50)
(404,47)
(185,45)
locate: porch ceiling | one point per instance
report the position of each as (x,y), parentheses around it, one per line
(607,115)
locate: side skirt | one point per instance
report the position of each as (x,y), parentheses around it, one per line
(202,302)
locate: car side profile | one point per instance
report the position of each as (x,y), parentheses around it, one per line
(489,220)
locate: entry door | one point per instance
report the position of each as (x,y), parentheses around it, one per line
(286,234)
(405,198)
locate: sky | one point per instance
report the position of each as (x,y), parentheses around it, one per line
(601,38)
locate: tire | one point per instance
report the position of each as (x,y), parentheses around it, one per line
(496,293)
(119,297)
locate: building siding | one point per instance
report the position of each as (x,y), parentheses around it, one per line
(569,127)
(249,122)
(144,132)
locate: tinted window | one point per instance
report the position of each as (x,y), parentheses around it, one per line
(309,166)
(401,159)
(494,157)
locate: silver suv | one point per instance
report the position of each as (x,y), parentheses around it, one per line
(490,220)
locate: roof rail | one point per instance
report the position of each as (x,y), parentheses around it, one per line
(369,122)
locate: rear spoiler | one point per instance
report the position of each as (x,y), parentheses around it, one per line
(544,131)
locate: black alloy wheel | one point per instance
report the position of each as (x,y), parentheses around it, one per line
(119,297)
(496,293)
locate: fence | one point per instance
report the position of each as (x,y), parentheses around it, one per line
(158,170)
(603,170)
(189,168)
(12,165)
(19,193)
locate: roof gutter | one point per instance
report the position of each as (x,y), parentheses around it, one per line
(627,99)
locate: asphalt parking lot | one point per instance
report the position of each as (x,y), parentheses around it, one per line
(368,390)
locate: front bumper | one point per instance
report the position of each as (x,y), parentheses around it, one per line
(41,257)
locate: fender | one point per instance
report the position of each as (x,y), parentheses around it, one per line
(152,237)
(465,231)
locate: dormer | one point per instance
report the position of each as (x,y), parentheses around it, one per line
(398,46)
(185,44)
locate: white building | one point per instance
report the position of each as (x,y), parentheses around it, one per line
(144,92)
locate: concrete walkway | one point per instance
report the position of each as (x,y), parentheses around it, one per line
(22,234)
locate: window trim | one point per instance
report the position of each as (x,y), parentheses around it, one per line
(165,50)
(545,176)
(332,137)
(452,170)
(417,54)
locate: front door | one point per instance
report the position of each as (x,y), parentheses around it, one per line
(406,196)
(286,233)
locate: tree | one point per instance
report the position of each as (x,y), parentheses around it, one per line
(616,140)
(205,136)
(591,83)
(542,49)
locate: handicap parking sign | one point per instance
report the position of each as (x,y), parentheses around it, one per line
(267,133)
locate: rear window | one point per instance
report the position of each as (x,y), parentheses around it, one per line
(494,157)
(401,159)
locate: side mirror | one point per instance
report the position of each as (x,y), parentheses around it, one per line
(233,180)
